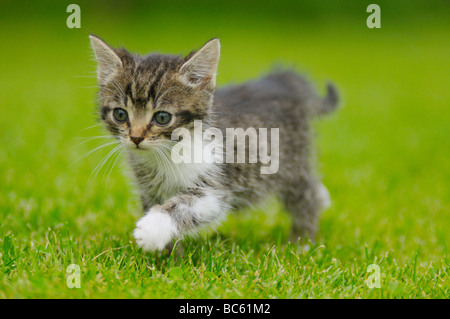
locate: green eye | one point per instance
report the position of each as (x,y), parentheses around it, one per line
(162,118)
(120,115)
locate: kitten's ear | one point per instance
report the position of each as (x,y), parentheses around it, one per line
(200,68)
(108,61)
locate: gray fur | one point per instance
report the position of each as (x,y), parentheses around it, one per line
(281,100)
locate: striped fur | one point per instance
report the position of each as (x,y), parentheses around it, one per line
(180,199)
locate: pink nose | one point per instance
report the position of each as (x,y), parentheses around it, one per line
(136,140)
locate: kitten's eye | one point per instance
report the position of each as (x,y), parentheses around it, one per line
(120,115)
(162,118)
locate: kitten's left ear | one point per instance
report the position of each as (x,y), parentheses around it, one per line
(201,68)
(108,60)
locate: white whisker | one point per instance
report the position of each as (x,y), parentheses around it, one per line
(91,138)
(103,162)
(95,149)
(119,151)
(95,125)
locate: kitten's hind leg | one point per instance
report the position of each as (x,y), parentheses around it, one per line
(304,199)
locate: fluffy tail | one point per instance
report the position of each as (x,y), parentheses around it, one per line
(290,85)
(328,103)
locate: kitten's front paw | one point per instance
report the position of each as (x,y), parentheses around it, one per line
(155,230)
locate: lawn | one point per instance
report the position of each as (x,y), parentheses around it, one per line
(384,156)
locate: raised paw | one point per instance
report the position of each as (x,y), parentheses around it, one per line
(155,231)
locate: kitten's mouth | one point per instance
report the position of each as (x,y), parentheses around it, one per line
(149,146)
(141,149)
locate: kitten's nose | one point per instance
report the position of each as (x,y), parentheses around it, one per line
(136,140)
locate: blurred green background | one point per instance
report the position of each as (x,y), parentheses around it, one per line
(384,155)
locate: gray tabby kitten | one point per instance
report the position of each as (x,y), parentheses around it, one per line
(143,99)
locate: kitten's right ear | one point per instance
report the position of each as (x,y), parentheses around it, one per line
(108,60)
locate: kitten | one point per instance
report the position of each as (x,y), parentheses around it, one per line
(143,99)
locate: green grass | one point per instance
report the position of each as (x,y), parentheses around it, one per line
(384,156)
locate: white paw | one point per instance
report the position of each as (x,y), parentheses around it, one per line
(324,197)
(155,230)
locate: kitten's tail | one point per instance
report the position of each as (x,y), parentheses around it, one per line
(328,103)
(291,85)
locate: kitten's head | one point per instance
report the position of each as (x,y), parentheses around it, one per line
(144,98)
